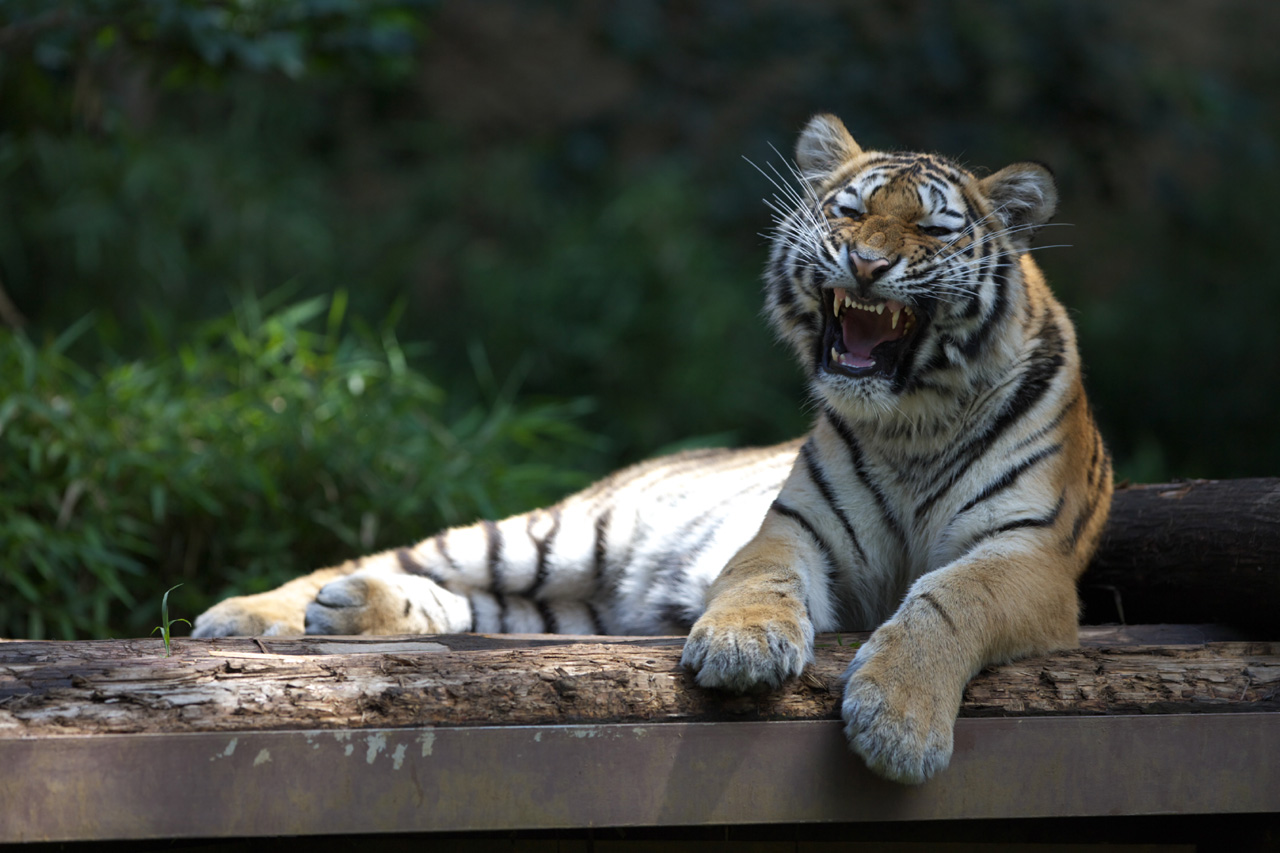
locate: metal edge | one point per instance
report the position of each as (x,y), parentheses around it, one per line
(668,774)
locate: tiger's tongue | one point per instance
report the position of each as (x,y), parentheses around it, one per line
(863,331)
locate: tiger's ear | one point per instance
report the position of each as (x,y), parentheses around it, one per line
(1022,197)
(824,146)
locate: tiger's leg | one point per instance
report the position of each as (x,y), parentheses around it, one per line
(371,595)
(757,630)
(904,687)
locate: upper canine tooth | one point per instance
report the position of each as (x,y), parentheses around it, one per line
(894,323)
(835,309)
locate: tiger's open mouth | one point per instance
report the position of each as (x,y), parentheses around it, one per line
(862,339)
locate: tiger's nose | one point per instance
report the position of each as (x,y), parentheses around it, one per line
(867,269)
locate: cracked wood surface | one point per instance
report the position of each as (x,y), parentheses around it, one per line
(119,686)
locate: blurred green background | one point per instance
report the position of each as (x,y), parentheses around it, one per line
(288,281)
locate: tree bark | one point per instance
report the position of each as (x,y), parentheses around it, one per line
(1198,551)
(118,686)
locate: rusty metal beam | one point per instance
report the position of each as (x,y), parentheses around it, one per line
(529,777)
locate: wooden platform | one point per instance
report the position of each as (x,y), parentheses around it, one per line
(309,736)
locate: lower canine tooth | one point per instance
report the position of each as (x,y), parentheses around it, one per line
(835,356)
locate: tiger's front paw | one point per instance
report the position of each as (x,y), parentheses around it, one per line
(899,716)
(370,603)
(746,652)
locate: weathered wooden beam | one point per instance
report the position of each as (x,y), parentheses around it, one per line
(1197,551)
(326,683)
(307,736)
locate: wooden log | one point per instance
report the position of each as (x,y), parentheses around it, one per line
(119,686)
(1198,551)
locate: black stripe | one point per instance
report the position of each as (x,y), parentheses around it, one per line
(671,574)
(1093,460)
(504,627)
(493,555)
(675,617)
(1008,478)
(833,576)
(820,480)
(543,547)
(1091,508)
(812,322)
(1081,521)
(860,471)
(933,602)
(783,285)
(905,378)
(982,336)
(439,540)
(1043,366)
(471,616)
(612,571)
(598,551)
(597,624)
(795,316)
(1052,425)
(1016,524)
(938,361)
(974,303)
(550,624)
(411,566)
(796,516)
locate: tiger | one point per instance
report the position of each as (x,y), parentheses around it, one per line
(952,489)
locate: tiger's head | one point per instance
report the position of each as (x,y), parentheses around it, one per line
(900,278)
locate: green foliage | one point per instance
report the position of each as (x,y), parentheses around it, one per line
(262,445)
(165,622)
(197,40)
(621,288)
(556,193)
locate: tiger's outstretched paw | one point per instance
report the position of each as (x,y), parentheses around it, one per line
(261,615)
(730,652)
(900,718)
(369,603)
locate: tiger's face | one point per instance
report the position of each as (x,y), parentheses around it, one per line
(896,276)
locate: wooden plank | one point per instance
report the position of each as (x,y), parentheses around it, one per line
(118,686)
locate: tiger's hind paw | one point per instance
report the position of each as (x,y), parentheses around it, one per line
(368,603)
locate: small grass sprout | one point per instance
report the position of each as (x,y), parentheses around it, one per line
(839,641)
(165,621)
